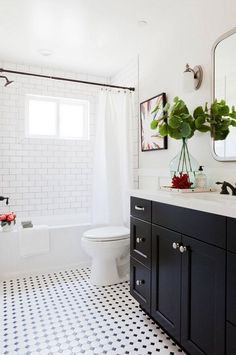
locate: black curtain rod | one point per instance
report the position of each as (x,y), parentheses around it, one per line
(66,79)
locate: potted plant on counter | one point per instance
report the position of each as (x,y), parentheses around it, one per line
(178,123)
(8,220)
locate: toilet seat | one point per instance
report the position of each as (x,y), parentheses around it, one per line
(107,234)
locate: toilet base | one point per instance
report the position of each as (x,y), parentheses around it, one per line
(104,273)
(110,258)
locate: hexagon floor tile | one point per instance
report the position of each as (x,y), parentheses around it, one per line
(62,313)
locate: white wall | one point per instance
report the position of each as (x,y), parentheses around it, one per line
(43,176)
(189,30)
(54,177)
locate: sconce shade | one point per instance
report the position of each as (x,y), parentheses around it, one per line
(188,82)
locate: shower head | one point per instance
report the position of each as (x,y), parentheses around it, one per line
(8,82)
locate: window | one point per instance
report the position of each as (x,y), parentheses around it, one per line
(57,117)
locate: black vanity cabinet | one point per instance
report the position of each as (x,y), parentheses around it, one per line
(187,276)
(231,288)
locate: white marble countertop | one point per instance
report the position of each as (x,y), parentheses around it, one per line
(211,202)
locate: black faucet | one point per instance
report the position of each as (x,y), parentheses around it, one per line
(4,198)
(224,190)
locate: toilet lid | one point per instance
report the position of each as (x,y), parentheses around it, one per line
(107,233)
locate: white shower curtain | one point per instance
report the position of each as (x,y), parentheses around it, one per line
(112,174)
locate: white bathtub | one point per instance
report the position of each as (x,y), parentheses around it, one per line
(65,247)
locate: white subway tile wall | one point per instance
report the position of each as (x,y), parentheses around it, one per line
(44,176)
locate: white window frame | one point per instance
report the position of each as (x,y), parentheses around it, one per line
(58,101)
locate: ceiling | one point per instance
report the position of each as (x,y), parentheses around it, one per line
(87,36)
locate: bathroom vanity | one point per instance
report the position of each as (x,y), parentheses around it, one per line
(183,267)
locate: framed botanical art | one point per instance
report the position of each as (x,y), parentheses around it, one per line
(151,139)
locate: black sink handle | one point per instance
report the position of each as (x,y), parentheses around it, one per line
(224,190)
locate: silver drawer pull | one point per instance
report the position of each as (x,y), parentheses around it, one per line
(138,208)
(182,249)
(175,245)
(140,282)
(139,240)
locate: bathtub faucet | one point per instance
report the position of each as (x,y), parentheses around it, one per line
(4,198)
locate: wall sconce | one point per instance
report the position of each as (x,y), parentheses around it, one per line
(192,77)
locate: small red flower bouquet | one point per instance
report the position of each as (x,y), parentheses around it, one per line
(181,182)
(7,218)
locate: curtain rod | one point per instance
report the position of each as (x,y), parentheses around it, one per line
(66,79)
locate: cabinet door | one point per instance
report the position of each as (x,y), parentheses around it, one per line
(140,284)
(166,280)
(140,241)
(231,288)
(230,339)
(231,240)
(203,298)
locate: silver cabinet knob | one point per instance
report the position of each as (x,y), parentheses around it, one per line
(139,282)
(175,245)
(139,208)
(182,249)
(139,240)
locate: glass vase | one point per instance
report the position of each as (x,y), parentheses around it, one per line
(184,163)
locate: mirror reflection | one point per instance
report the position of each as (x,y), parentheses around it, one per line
(225,88)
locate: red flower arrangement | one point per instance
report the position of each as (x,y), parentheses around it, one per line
(181,181)
(7,218)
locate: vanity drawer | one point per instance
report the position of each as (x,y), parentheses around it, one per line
(231,234)
(140,284)
(140,241)
(207,227)
(141,208)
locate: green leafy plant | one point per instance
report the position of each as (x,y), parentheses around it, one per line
(217,119)
(176,121)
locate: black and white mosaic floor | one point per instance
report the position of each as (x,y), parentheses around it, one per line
(62,313)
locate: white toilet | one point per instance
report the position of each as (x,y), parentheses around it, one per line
(109,249)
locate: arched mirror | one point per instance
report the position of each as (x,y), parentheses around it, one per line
(224,87)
